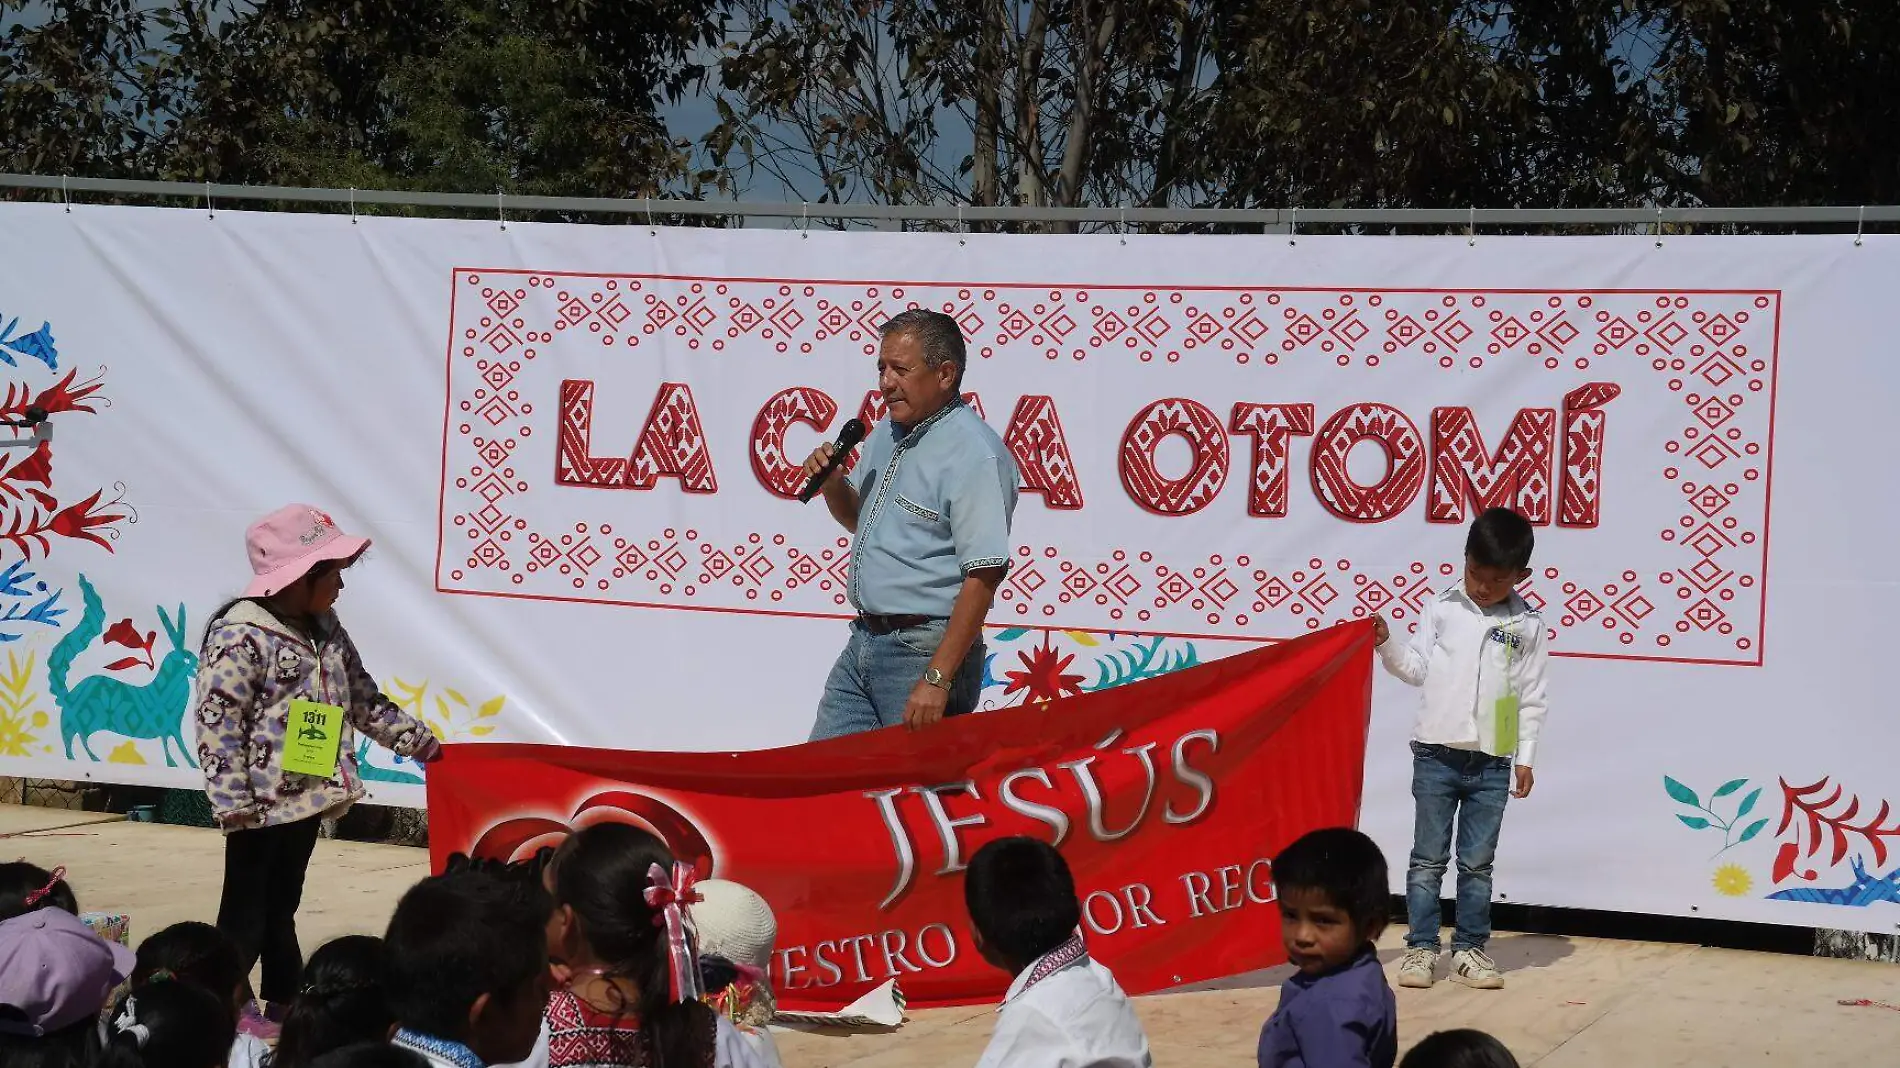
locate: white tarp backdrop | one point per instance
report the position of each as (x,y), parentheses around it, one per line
(573,446)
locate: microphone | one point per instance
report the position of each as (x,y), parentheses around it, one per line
(848,437)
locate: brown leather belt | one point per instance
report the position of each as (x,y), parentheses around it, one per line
(886,624)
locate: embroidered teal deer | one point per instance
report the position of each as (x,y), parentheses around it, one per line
(103,703)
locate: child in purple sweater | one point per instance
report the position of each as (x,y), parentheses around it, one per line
(1338,1011)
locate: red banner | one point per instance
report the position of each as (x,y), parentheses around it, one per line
(1168,797)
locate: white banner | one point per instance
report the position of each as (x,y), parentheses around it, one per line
(576,448)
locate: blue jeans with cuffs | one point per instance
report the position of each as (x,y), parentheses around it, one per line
(1473,788)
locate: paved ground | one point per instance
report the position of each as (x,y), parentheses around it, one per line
(1571,1003)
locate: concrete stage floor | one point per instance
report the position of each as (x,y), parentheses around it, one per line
(1569,1003)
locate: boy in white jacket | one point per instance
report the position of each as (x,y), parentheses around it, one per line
(1479,653)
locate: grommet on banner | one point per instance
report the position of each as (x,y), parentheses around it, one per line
(1293,228)
(1471,227)
(804,220)
(210,211)
(962,234)
(65,195)
(1860,225)
(499,217)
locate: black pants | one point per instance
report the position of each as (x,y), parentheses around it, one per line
(263,885)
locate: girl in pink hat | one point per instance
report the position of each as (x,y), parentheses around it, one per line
(281,682)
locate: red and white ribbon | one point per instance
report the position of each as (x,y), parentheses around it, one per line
(672,896)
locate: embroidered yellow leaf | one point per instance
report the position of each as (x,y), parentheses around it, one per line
(492,708)
(457,698)
(19,677)
(407,697)
(1083,638)
(481,730)
(18,680)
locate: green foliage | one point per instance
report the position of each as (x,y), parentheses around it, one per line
(528,96)
(1360,103)
(1145,660)
(1316,102)
(1710,818)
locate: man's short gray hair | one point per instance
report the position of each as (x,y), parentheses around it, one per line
(937,334)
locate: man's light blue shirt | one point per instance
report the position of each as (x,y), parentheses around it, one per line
(935,503)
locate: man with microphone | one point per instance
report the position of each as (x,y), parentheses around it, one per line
(929,505)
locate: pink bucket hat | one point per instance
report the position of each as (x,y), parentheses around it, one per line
(56,971)
(287,543)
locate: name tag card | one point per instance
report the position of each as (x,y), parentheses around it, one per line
(1505,716)
(314,741)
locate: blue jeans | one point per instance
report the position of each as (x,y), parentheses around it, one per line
(872,679)
(1474,788)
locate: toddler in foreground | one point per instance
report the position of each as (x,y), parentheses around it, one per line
(342,1003)
(170,1024)
(203,955)
(1062,1008)
(56,974)
(1461,1048)
(466,968)
(626,996)
(1338,1011)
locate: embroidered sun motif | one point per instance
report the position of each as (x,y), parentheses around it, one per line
(1732,880)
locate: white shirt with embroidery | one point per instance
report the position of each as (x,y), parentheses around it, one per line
(1066,1011)
(1466,658)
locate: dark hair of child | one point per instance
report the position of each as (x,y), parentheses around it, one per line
(74,1046)
(341,1002)
(602,873)
(20,881)
(716,973)
(1342,864)
(1021,899)
(1462,1048)
(1500,538)
(456,937)
(169,1025)
(371,1055)
(193,952)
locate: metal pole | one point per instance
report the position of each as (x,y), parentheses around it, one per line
(1255,219)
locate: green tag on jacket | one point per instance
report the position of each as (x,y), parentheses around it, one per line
(314,741)
(1505,716)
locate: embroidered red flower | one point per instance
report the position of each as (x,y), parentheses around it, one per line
(79,520)
(125,634)
(37,467)
(1042,676)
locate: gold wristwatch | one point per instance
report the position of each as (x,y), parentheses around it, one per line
(936,678)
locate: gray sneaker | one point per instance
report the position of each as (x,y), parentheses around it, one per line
(1476,969)
(1416,967)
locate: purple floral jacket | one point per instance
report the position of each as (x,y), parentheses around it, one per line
(253,666)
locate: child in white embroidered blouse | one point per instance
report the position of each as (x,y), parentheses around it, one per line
(1063,1010)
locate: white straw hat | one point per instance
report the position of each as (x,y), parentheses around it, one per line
(735,923)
